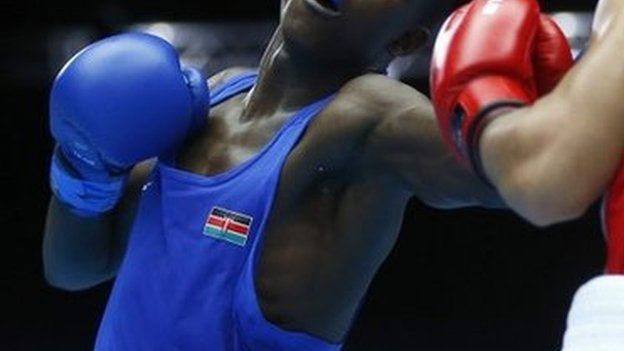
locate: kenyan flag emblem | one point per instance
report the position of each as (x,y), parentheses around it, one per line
(230,226)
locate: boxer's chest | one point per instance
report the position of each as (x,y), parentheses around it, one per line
(227,141)
(325,199)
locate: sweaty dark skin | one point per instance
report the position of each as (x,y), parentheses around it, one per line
(344,187)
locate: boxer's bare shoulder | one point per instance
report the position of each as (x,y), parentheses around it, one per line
(394,111)
(371,118)
(402,140)
(383,97)
(382,113)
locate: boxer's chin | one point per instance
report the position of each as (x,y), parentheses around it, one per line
(325,8)
(312,35)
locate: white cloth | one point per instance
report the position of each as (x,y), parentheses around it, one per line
(596,318)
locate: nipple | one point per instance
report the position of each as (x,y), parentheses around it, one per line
(325,185)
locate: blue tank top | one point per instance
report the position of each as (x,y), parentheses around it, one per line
(187,279)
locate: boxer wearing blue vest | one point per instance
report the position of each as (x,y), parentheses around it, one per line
(262,226)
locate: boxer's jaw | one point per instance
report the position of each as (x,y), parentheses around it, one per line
(312,55)
(324,7)
(346,33)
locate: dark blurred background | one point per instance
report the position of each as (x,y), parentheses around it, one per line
(458,280)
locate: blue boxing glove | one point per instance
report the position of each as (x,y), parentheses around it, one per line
(119,101)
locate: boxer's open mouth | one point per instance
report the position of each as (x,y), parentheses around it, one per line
(325,7)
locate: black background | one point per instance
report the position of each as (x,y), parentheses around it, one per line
(458,280)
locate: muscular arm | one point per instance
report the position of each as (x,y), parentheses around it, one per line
(79,253)
(551,161)
(406,143)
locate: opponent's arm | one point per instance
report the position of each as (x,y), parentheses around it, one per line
(552,160)
(485,58)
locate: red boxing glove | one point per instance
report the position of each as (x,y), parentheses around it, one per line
(552,56)
(613,224)
(492,54)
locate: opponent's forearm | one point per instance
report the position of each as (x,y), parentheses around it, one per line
(77,252)
(552,160)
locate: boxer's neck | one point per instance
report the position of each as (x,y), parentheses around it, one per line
(288,82)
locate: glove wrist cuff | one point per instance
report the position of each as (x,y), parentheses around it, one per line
(482,120)
(200,96)
(85,198)
(482,93)
(479,103)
